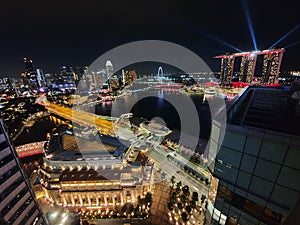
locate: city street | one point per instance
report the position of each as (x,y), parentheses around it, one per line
(172,169)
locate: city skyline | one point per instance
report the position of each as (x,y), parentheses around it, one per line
(74,33)
(166,112)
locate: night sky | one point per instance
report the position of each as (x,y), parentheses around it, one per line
(76,32)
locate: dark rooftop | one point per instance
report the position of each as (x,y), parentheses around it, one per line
(266,108)
(83,175)
(65,146)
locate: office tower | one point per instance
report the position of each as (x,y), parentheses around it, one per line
(6,82)
(80,71)
(85,83)
(256,171)
(18,204)
(65,80)
(30,76)
(99,78)
(67,75)
(109,69)
(41,80)
(49,79)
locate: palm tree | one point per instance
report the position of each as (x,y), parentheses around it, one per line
(148,198)
(179,184)
(180,206)
(195,196)
(173,181)
(188,209)
(183,199)
(170,206)
(193,204)
(184,217)
(186,190)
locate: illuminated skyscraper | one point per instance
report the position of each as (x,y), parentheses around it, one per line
(109,69)
(99,77)
(41,80)
(30,76)
(227,68)
(271,67)
(247,68)
(67,75)
(18,205)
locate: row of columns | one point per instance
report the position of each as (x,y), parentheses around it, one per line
(101,198)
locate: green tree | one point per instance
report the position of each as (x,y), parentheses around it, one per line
(179,205)
(173,181)
(170,206)
(188,209)
(130,208)
(139,200)
(186,190)
(193,204)
(184,217)
(148,198)
(173,197)
(118,209)
(195,196)
(179,184)
(183,198)
(203,197)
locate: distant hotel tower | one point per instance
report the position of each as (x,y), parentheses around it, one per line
(245,66)
(18,205)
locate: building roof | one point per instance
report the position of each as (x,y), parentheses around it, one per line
(67,147)
(86,175)
(269,108)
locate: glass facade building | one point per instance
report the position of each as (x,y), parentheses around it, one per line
(257,166)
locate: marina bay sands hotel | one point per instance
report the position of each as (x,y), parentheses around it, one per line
(251,67)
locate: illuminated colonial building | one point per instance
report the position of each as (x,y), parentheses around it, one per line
(99,176)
